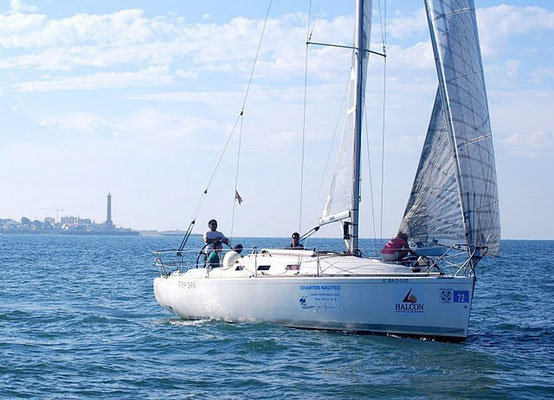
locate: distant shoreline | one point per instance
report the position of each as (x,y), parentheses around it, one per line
(167,233)
(148,233)
(91,233)
(62,232)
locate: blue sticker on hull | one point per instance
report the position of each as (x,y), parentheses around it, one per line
(461,296)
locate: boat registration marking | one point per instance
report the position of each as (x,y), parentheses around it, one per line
(187,285)
(395,280)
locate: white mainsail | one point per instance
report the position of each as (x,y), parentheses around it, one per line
(342,200)
(455,196)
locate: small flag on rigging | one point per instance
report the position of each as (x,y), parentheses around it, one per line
(238,198)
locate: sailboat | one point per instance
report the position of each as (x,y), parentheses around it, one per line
(452,211)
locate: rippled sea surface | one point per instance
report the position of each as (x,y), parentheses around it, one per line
(78,319)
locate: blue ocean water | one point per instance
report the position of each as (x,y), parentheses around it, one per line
(78,319)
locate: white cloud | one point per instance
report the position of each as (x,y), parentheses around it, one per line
(529,144)
(197,97)
(71,58)
(508,19)
(34,31)
(416,57)
(153,76)
(498,23)
(539,75)
(36,41)
(128,36)
(186,74)
(145,124)
(17,6)
(150,124)
(404,26)
(283,139)
(79,122)
(512,67)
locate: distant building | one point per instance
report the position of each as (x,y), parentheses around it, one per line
(71,220)
(109,222)
(68,225)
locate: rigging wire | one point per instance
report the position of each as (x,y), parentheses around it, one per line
(382,22)
(236,195)
(315,20)
(256,57)
(241,114)
(370,176)
(304,119)
(239,118)
(223,152)
(383,18)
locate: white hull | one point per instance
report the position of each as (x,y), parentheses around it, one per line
(401,302)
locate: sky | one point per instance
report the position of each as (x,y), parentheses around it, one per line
(138,98)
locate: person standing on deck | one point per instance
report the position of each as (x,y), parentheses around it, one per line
(212,236)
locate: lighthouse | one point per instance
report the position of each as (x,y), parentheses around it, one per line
(109,222)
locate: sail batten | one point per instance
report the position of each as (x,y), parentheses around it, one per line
(458,156)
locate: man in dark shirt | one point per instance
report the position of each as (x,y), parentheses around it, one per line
(295,244)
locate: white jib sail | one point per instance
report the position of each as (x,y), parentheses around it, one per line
(338,202)
(433,211)
(456,177)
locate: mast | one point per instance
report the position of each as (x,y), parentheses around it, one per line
(342,202)
(360,47)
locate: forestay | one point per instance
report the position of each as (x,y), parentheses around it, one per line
(339,204)
(454,198)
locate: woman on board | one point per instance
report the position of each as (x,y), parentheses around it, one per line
(397,248)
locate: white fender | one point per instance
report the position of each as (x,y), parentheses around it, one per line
(230,259)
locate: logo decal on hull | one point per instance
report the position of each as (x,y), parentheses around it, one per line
(454,296)
(303,303)
(321,298)
(410,298)
(446,295)
(409,304)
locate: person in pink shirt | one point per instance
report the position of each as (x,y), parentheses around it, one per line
(397,248)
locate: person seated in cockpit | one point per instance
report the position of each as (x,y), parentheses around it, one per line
(238,248)
(295,243)
(397,248)
(213,259)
